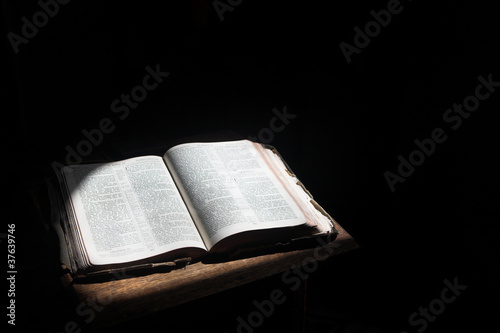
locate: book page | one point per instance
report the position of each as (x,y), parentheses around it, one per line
(129,210)
(230,189)
(316,216)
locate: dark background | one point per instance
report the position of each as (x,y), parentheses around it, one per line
(353,120)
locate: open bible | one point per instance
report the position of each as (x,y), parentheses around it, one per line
(196,199)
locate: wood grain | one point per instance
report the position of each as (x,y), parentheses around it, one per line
(130,298)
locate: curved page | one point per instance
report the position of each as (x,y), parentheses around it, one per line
(129,210)
(229,188)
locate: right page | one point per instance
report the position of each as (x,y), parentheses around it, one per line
(229,188)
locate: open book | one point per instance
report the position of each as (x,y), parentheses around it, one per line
(197,198)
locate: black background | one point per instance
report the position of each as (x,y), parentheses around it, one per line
(352,122)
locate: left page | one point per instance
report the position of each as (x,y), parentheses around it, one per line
(129,210)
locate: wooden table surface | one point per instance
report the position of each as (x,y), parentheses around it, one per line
(131,297)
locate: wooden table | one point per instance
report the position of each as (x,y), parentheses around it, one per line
(124,299)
